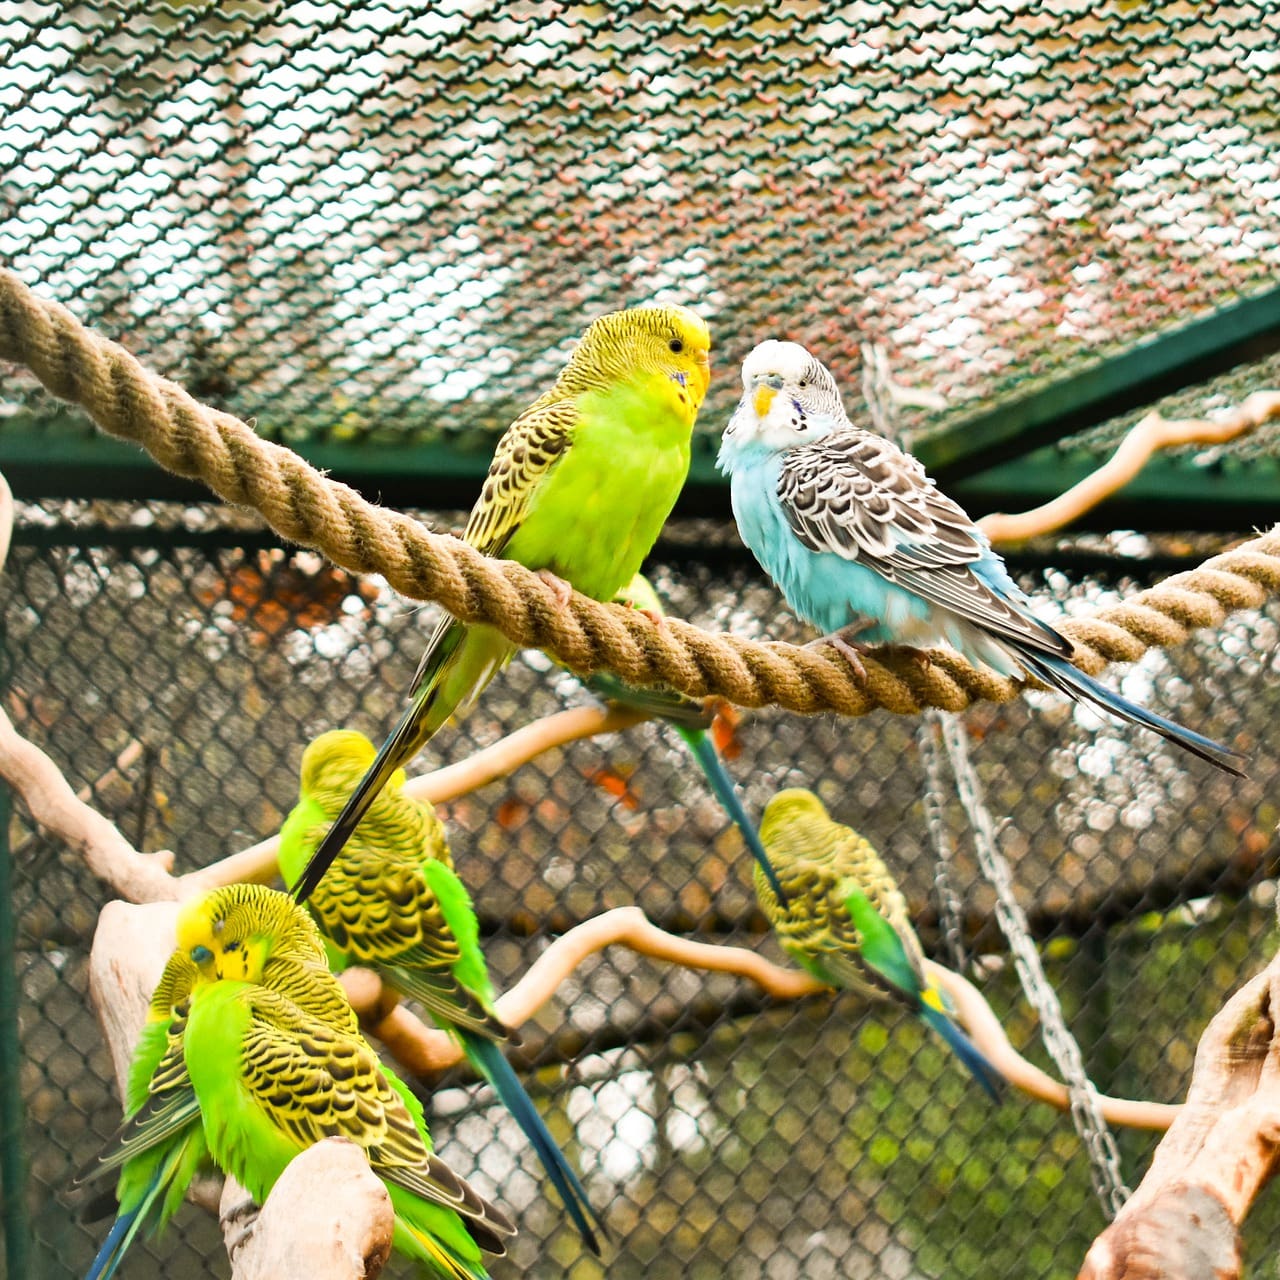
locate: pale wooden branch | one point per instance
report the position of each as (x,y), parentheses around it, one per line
(426,1050)
(258,863)
(140,877)
(1183,1221)
(6,520)
(1152,434)
(307,1230)
(118,770)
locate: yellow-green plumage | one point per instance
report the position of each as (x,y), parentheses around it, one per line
(161,1146)
(579,487)
(272,1078)
(391,901)
(846,921)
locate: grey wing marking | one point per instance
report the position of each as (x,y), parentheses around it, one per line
(860,497)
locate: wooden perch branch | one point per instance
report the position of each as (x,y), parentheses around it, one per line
(306,1228)
(1152,434)
(426,1050)
(140,877)
(1183,1222)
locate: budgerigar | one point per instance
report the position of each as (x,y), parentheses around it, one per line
(272,1078)
(392,902)
(161,1146)
(578,489)
(858,538)
(845,919)
(689,717)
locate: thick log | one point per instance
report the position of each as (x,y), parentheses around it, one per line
(1184,1220)
(327,1218)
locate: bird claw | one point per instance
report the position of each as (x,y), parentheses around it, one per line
(850,650)
(560,588)
(246,1210)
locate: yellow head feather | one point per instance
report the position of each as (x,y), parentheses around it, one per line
(337,759)
(787,806)
(232,932)
(668,340)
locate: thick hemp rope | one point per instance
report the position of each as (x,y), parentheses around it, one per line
(303,506)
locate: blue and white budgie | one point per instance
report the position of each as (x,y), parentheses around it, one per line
(857,537)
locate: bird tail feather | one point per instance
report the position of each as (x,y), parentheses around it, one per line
(440,1259)
(127,1224)
(964,1048)
(708,758)
(1059,674)
(420,720)
(489,1060)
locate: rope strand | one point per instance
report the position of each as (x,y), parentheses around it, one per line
(303,506)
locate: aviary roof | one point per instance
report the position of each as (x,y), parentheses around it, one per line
(381,225)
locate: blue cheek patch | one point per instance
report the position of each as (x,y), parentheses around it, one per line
(681,378)
(201,955)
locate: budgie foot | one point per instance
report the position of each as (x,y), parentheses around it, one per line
(847,647)
(244,1216)
(560,588)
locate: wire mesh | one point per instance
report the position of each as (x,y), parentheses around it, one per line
(716,1133)
(383,221)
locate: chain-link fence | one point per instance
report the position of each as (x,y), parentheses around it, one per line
(374,228)
(382,222)
(717,1134)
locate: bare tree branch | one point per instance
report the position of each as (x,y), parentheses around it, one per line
(1183,1222)
(426,1050)
(1152,434)
(258,863)
(306,1231)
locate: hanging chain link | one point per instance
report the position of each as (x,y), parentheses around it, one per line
(950,907)
(1086,1113)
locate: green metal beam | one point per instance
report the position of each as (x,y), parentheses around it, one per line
(13,1169)
(1238,334)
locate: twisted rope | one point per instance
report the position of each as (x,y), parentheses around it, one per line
(303,506)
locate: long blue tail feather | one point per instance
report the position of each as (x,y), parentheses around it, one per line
(489,1060)
(964,1048)
(1061,675)
(704,752)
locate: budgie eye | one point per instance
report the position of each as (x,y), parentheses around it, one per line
(676,345)
(201,955)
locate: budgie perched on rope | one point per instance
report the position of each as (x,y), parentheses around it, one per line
(578,489)
(272,1076)
(858,538)
(161,1146)
(689,717)
(845,919)
(392,902)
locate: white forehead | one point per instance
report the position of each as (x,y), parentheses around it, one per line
(787,360)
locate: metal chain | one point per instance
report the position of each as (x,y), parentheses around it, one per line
(1086,1114)
(950,907)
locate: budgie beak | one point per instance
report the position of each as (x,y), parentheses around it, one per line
(702,373)
(763,400)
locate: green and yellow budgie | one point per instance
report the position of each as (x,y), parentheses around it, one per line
(392,902)
(161,1146)
(690,718)
(578,489)
(272,1069)
(846,921)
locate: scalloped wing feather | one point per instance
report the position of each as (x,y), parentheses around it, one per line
(860,497)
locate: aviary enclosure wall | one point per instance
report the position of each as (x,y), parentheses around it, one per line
(375,228)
